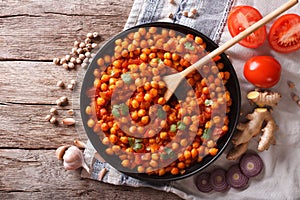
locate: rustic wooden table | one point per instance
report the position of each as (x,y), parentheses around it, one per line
(32,33)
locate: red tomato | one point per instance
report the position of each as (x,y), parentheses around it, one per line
(240,18)
(284,35)
(262,71)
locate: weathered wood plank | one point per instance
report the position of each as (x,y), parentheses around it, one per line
(37,174)
(33,82)
(41,30)
(24,126)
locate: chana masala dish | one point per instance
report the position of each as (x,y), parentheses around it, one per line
(128,111)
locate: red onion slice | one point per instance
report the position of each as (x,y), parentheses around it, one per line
(202,182)
(218,180)
(251,164)
(235,178)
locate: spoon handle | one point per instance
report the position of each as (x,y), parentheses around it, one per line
(240,36)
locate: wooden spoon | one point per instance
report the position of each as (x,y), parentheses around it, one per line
(172,81)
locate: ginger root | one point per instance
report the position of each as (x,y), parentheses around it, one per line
(263,99)
(252,129)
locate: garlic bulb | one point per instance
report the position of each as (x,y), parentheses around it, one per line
(73,159)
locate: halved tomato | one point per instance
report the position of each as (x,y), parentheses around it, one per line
(240,18)
(284,35)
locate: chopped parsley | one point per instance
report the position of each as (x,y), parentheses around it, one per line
(173,128)
(181,126)
(206,133)
(126,78)
(161,113)
(208,102)
(168,153)
(189,46)
(120,109)
(136,144)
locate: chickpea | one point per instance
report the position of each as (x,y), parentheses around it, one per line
(155,71)
(148,97)
(183,142)
(205,90)
(145,120)
(141,169)
(194,153)
(135,103)
(132,129)
(124,139)
(161,101)
(90,123)
(181,165)
(153,163)
(163,135)
(125,163)
(109,151)
(105,141)
(105,78)
(134,115)
(113,139)
(144,57)
(88,110)
(225,128)
(174,171)
(161,84)
(187,154)
(193,128)
(104,127)
(198,40)
(116,148)
(152,30)
(213,151)
(210,143)
(161,172)
(100,62)
(107,59)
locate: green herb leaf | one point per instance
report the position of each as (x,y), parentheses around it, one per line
(131,141)
(181,125)
(112,72)
(138,140)
(126,78)
(206,133)
(124,109)
(159,61)
(167,154)
(189,46)
(173,128)
(161,113)
(115,112)
(168,150)
(137,146)
(208,102)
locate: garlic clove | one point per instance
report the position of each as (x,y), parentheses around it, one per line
(73,159)
(60,151)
